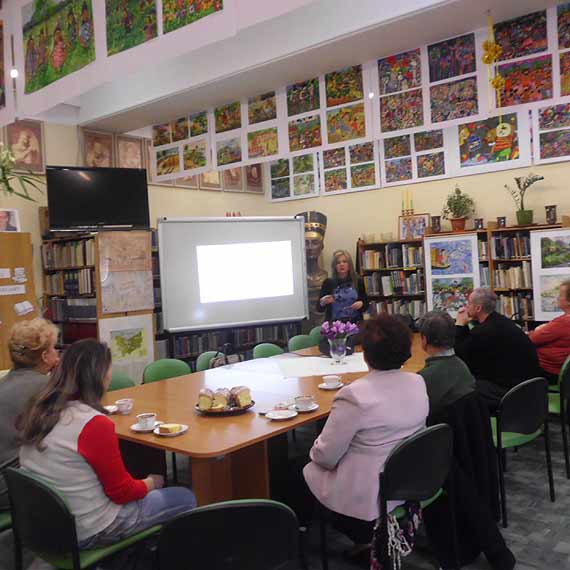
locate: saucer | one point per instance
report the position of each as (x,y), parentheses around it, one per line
(112,409)
(139,429)
(183,430)
(325,386)
(281,414)
(314,406)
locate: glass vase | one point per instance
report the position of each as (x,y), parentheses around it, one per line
(338,349)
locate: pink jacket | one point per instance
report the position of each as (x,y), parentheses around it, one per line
(368,418)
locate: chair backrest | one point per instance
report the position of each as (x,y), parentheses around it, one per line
(203,361)
(41,519)
(564,379)
(165,368)
(300,341)
(235,535)
(120,381)
(418,466)
(315,334)
(266,349)
(524,408)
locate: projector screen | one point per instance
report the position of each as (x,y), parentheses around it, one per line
(225,272)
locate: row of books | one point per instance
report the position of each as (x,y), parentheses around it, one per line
(70,332)
(269,333)
(483,247)
(392,255)
(394,283)
(485,276)
(412,255)
(519,305)
(415,308)
(508,276)
(507,247)
(158,322)
(68,253)
(62,309)
(75,282)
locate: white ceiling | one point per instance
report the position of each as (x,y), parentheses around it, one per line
(267,55)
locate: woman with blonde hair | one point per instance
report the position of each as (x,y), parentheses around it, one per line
(343,296)
(32,349)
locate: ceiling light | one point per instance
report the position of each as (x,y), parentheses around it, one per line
(14,73)
(371,95)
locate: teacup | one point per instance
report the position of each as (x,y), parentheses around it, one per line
(331,380)
(125,405)
(146,420)
(303,403)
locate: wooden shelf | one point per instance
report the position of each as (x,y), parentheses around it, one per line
(395,269)
(68,268)
(395,295)
(77,322)
(511,259)
(364,245)
(526,228)
(508,289)
(66,296)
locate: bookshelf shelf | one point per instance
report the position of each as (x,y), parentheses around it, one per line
(68,268)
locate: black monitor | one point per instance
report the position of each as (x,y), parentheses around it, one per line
(85,198)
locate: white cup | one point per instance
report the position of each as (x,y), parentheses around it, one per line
(125,405)
(304,402)
(146,420)
(332,380)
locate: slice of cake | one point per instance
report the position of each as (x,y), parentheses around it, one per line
(221,398)
(241,395)
(205,399)
(169,428)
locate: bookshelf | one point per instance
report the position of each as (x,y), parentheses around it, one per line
(393,276)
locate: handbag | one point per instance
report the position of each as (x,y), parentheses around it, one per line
(222,358)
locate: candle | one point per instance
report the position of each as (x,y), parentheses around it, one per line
(403,207)
(411,201)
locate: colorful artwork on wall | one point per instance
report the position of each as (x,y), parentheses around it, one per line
(522,36)
(397,146)
(180,129)
(129,23)
(167,161)
(228,151)
(228,117)
(303,96)
(555,252)
(363,175)
(261,108)
(58,40)
(401,111)
(431,164)
(233,179)
(333,158)
(344,86)
(303,163)
(565,73)
(129,152)
(361,153)
(563,25)
(550,292)
(489,141)
(279,168)
(305,133)
(554,117)
(346,123)
(262,143)
(161,134)
(451,294)
(335,180)
(554,144)
(304,184)
(451,58)
(195,155)
(398,170)
(526,81)
(211,180)
(198,124)
(428,140)
(280,188)
(454,100)
(2,70)
(400,72)
(26,142)
(253,178)
(179,13)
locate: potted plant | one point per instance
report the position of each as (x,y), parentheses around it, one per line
(458,207)
(524,217)
(26,182)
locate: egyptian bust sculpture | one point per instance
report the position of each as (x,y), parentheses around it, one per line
(315,228)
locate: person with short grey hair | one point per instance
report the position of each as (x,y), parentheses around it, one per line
(446,376)
(498,352)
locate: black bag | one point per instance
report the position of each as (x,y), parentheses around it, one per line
(224,357)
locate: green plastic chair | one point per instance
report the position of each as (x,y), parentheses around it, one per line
(558,404)
(5,520)
(120,381)
(50,532)
(299,342)
(315,334)
(203,361)
(267,349)
(165,368)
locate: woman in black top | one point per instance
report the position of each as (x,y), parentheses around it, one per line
(342,297)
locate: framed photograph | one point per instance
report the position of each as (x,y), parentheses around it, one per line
(151,166)
(9,220)
(233,179)
(129,152)
(187,182)
(25,139)
(414,226)
(98,149)
(210,180)
(254,179)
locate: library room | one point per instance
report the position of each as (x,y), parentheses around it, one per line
(284,285)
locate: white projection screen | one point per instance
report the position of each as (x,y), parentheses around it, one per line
(226,272)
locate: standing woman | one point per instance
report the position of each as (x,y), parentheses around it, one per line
(343,296)
(68,440)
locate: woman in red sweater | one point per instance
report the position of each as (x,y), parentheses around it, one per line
(552,339)
(68,440)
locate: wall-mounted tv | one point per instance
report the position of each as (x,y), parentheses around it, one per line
(81,198)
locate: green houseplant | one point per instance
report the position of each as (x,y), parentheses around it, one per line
(524,217)
(8,178)
(458,207)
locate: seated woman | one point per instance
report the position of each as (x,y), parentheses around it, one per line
(552,340)
(32,349)
(368,418)
(69,441)
(343,296)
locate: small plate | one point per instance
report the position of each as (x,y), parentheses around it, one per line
(281,414)
(138,429)
(112,409)
(183,430)
(314,406)
(325,386)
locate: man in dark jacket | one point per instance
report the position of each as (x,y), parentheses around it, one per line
(498,353)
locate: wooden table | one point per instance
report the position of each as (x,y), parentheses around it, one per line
(229,453)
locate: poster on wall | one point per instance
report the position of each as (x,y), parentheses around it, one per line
(129,23)
(550,259)
(98,149)
(58,39)
(129,152)
(25,140)
(452,271)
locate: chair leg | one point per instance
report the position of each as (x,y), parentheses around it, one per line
(18,560)
(504,460)
(564,426)
(174,469)
(502,487)
(323,532)
(549,461)
(452,520)
(303,549)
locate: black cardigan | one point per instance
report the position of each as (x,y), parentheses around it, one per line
(328,287)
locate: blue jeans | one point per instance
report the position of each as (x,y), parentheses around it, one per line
(157,507)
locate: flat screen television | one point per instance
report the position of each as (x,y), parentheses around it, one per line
(83,198)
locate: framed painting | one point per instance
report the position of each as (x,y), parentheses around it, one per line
(303,97)
(228,117)
(167,161)
(210,180)
(98,149)
(261,108)
(253,179)
(344,86)
(228,151)
(400,72)
(129,152)
(25,139)
(187,182)
(431,164)
(262,143)
(346,123)
(402,111)
(233,179)
(195,155)
(198,124)
(413,227)
(129,23)
(522,36)
(454,100)
(451,58)
(526,81)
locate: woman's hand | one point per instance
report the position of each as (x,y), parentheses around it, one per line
(357,305)
(326,300)
(154,482)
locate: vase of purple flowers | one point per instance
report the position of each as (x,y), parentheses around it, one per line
(337,333)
